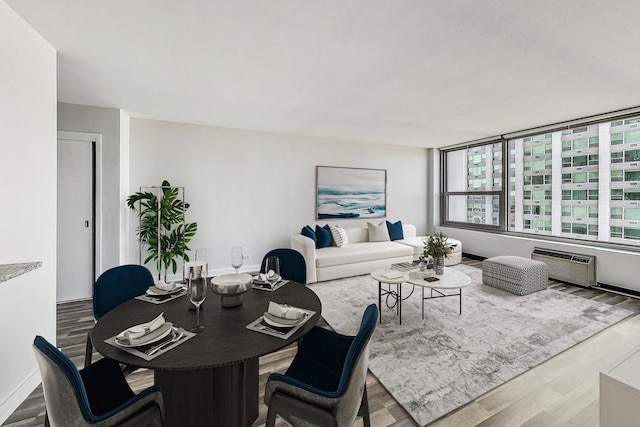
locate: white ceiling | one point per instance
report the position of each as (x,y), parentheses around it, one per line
(420,73)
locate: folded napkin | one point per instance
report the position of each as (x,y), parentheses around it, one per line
(284,311)
(266,277)
(165,286)
(141,330)
(270,276)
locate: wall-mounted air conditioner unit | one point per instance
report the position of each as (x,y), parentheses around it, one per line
(568,267)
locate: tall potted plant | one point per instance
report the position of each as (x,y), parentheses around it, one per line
(437,248)
(162,226)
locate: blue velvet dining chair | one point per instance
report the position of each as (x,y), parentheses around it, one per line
(292,265)
(326,382)
(97,395)
(113,287)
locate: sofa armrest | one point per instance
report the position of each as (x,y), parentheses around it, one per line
(307,248)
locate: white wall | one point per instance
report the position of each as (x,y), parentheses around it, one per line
(255,189)
(613,267)
(108,122)
(28,208)
(125,123)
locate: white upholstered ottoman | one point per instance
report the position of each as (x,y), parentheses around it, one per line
(518,275)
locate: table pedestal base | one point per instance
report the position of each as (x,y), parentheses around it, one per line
(223,396)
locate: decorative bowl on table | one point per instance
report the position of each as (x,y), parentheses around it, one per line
(231,287)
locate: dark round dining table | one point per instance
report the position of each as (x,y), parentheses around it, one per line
(212,378)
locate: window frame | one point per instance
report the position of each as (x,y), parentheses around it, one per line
(503,194)
(445,195)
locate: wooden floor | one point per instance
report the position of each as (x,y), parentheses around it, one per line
(560,392)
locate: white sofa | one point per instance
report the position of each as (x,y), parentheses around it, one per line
(360,256)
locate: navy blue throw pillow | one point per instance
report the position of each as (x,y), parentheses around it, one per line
(308,232)
(323,235)
(395,230)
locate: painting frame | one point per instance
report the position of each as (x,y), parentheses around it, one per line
(350,193)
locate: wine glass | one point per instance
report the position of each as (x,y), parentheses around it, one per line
(197,293)
(272,269)
(236,257)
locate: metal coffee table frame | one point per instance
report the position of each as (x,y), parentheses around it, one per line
(440,295)
(451,280)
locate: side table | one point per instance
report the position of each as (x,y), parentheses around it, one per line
(380,277)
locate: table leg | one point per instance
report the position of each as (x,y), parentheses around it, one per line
(223,396)
(380,300)
(400,301)
(422,302)
(461,301)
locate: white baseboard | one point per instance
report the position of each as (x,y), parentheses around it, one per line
(15,399)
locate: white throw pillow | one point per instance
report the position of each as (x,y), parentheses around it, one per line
(339,235)
(378,233)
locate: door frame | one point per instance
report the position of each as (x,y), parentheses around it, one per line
(96,140)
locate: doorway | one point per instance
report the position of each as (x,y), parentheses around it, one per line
(78,221)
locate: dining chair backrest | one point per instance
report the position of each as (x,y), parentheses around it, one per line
(305,392)
(62,385)
(119,284)
(99,395)
(292,264)
(357,361)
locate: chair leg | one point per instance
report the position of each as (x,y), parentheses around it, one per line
(271,417)
(89,349)
(364,408)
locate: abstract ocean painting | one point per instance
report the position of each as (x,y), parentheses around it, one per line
(350,192)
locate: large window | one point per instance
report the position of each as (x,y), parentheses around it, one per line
(579,182)
(474,179)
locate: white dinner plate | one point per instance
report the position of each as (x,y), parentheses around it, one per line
(280,322)
(149,338)
(157,291)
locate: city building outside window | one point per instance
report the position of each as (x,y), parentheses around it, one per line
(580,182)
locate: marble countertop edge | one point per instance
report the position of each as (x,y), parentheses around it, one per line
(9,271)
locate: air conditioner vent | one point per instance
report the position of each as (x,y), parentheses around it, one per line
(568,267)
(581,259)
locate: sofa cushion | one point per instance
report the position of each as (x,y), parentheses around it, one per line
(323,236)
(357,234)
(339,235)
(378,233)
(360,252)
(308,232)
(395,230)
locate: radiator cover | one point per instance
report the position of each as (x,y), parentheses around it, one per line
(568,267)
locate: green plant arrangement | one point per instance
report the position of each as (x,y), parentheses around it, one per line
(436,247)
(162,226)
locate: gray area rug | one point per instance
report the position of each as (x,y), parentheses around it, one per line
(438,364)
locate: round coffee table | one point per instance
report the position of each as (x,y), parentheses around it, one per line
(451,280)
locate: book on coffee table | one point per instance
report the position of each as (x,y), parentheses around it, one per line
(392,275)
(403,266)
(417,274)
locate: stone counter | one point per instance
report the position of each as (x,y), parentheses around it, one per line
(9,271)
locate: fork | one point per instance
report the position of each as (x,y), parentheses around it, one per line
(266,328)
(177,336)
